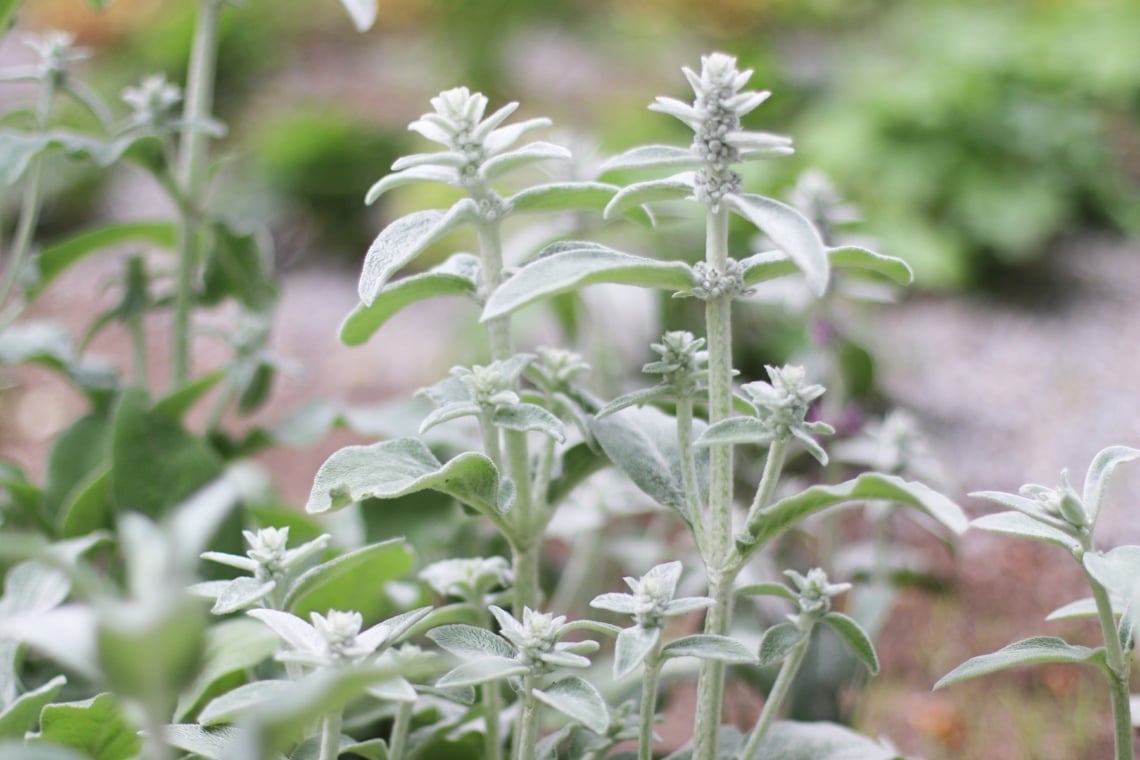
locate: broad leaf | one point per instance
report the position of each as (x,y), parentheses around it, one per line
(529,418)
(788,229)
(23,715)
(485,669)
(231,596)
(458,276)
(736,430)
(674,188)
(790,740)
(1032,651)
(208,743)
(631,647)
(562,196)
(390,469)
(578,463)
(779,641)
(95,727)
(1096,480)
(653,157)
(232,647)
(336,584)
(65,634)
(769,265)
(855,637)
(404,239)
(19,149)
(1024,526)
(1118,570)
(238,267)
(469,642)
(578,699)
(232,705)
(578,265)
(707,646)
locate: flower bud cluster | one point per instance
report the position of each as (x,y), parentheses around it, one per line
(558,367)
(682,362)
(536,640)
(1062,501)
(338,631)
(652,599)
(56,54)
(815,591)
(784,402)
(469,579)
(153,101)
(713,283)
(490,387)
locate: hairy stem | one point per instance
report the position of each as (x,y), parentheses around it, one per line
(157,748)
(398,739)
(138,351)
(776,697)
(1118,670)
(528,722)
(689,468)
(492,704)
(718,514)
(649,681)
(330,737)
(192,175)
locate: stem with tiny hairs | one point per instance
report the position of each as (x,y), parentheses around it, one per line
(776,696)
(330,736)
(1117,671)
(528,722)
(649,679)
(398,739)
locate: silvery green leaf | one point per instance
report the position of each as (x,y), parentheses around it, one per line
(855,637)
(1032,651)
(729,743)
(675,188)
(437,158)
(208,743)
(396,689)
(530,153)
(686,604)
(1096,480)
(814,449)
(779,641)
(792,509)
(632,646)
(232,646)
(621,603)
(485,669)
(399,467)
(232,705)
(485,127)
(1020,524)
(291,629)
(65,634)
(790,230)
(372,749)
(307,592)
(707,646)
(38,751)
(240,593)
(1081,608)
(450,412)
(404,239)
(578,699)
(504,137)
(33,587)
(643,444)
(96,727)
(767,589)
(23,715)
(1117,570)
(458,276)
(790,740)
(19,149)
(653,157)
(562,196)
(195,520)
(855,257)
(1028,507)
(639,397)
(564,658)
(363,13)
(754,146)
(572,268)
(400,625)
(679,110)
(736,430)
(469,642)
(527,418)
(431,173)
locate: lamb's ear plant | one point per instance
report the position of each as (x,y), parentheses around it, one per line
(1066,519)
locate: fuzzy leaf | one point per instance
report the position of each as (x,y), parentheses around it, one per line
(790,740)
(239,594)
(404,239)
(1118,570)
(1081,608)
(65,634)
(631,647)
(399,467)
(736,430)
(530,153)
(485,669)
(778,642)
(855,257)
(675,188)
(707,646)
(639,397)
(363,13)
(788,229)
(95,727)
(336,584)
(469,642)
(445,174)
(788,511)
(1096,480)
(767,589)
(576,267)
(1032,651)
(19,149)
(529,417)
(230,706)
(208,743)
(579,700)
(562,196)
(855,637)
(1024,526)
(232,646)
(653,157)
(23,715)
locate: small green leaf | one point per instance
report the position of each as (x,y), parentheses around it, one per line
(674,188)
(653,157)
(232,646)
(855,257)
(458,276)
(707,646)
(8,10)
(856,639)
(640,397)
(578,699)
(1024,526)
(208,743)
(469,642)
(788,229)
(507,162)
(631,647)
(404,239)
(1100,471)
(562,196)
(767,589)
(485,669)
(736,430)
(95,727)
(23,715)
(395,468)
(151,656)
(779,641)
(336,584)
(576,265)
(790,740)
(526,418)
(1032,651)
(181,400)
(232,705)
(238,267)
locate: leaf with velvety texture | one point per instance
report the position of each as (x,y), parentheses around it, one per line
(1032,651)
(790,230)
(579,700)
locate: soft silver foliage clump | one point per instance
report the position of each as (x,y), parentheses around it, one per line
(153,101)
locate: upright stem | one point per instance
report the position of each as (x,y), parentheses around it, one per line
(718,544)
(31,201)
(689,468)
(398,739)
(492,742)
(776,697)
(330,736)
(648,705)
(1118,667)
(528,722)
(158,749)
(138,350)
(192,175)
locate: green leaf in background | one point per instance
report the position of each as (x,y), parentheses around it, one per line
(155,461)
(578,463)
(577,698)
(232,647)
(230,706)
(856,639)
(563,196)
(238,267)
(395,468)
(56,258)
(789,740)
(457,276)
(568,266)
(78,450)
(790,231)
(336,584)
(88,505)
(1032,651)
(23,715)
(94,726)
(8,10)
